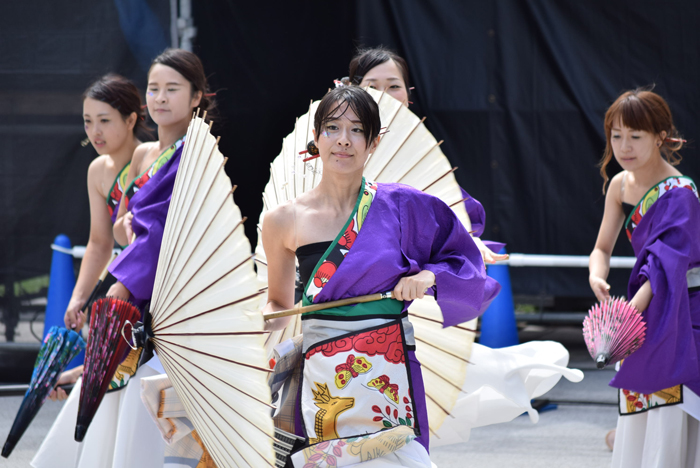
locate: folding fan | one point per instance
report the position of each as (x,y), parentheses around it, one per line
(613,330)
(205,316)
(60,346)
(409,154)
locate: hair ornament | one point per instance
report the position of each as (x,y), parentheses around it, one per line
(675,140)
(344,81)
(85,142)
(312,150)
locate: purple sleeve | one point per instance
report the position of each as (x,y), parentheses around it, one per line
(666,246)
(477,218)
(477,215)
(434,239)
(136,266)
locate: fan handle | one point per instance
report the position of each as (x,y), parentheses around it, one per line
(601,360)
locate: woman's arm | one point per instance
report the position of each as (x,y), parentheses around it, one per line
(599,262)
(488,255)
(98,249)
(281,265)
(122,226)
(119,291)
(642,299)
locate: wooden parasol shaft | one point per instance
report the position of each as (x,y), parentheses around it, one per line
(102,277)
(330,305)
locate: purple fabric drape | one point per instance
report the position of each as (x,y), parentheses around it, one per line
(666,246)
(407,231)
(136,266)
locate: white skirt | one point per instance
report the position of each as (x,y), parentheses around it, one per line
(121,435)
(666,437)
(500,385)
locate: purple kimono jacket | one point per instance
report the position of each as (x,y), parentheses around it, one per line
(136,266)
(407,231)
(666,244)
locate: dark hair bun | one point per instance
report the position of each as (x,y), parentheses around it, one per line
(120,93)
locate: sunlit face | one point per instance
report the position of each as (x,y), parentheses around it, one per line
(107,130)
(633,149)
(341,144)
(387,77)
(169,96)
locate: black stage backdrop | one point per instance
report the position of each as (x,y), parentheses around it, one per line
(50,51)
(517,89)
(266,65)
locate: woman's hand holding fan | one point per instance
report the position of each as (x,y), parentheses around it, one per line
(613,330)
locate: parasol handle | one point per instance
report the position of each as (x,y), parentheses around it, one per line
(330,305)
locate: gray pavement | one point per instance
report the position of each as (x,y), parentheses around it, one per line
(570,436)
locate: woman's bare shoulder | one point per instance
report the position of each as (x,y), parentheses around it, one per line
(280,217)
(141,152)
(99,171)
(615,187)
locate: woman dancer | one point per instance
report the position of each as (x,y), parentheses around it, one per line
(659,383)
(411,242)
(384,70)
(176,86)
(112,117)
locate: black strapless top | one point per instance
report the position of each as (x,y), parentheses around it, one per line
(627,209)
(308,256)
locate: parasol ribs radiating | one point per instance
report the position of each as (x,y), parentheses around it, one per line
(205,318)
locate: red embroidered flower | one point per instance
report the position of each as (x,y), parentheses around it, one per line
(324,273)
(639,404)
(349,236)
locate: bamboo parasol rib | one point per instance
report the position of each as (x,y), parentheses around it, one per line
(205,319)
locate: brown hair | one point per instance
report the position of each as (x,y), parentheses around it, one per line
(642,109)
(188,65)
(121,94)
(366,59)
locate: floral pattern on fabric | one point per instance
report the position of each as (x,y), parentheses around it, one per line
(115,194)
(348,451)
(141,180)
(370,390)
(632,402)
(652,195)
(341,246)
